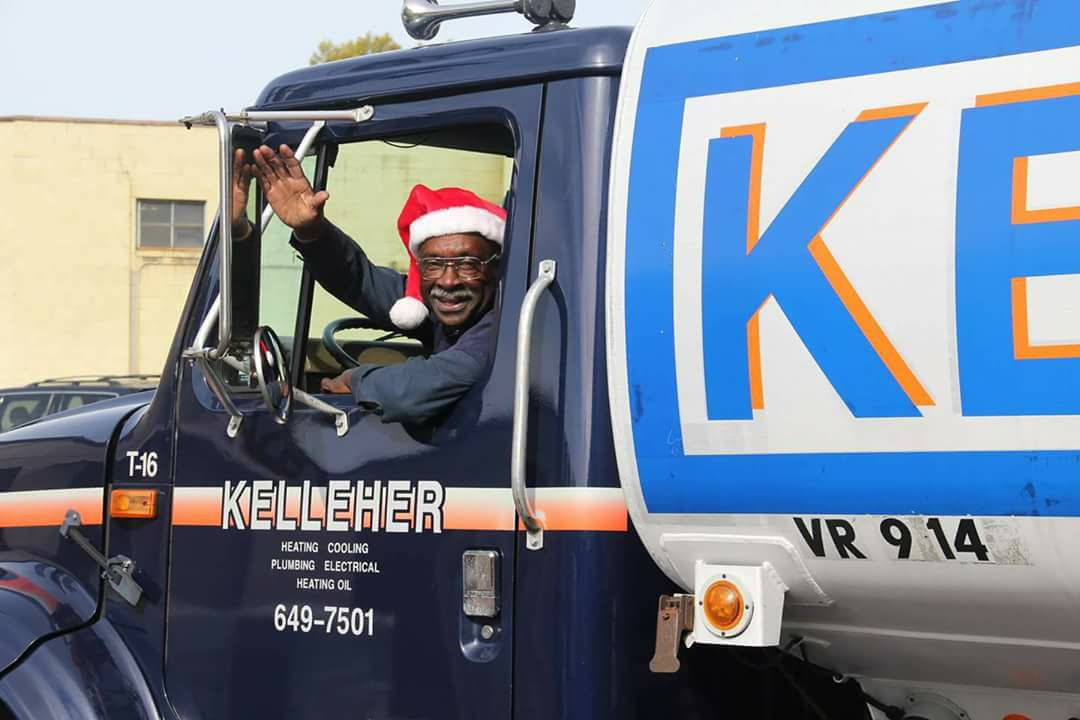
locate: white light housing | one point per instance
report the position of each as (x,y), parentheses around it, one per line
(752,619)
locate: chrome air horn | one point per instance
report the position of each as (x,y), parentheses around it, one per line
(422,18)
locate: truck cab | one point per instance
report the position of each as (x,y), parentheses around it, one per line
(378,570)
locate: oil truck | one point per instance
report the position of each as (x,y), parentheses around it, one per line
(782,418)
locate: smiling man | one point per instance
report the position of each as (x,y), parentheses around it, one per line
(454,239)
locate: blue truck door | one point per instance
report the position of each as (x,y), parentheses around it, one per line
(282,605)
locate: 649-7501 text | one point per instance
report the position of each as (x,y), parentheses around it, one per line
(332,619)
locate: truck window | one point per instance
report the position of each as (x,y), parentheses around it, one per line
(369,183)
(368,186)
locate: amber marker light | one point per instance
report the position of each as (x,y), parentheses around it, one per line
(133,504)
(725,607)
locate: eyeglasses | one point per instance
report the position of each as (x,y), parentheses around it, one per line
(467,268)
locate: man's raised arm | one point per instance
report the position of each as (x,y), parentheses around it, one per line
(340,266)
(336,262)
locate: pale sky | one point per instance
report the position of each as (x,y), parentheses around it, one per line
(155,60)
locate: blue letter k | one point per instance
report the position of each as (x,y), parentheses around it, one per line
(791,263)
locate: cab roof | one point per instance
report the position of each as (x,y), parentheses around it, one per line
(451,67)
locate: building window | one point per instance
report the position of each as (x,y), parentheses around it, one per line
(170,224)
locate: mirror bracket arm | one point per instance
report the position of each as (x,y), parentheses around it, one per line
(341,418)
(202,359)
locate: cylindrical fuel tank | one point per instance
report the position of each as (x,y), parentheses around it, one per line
(843,291)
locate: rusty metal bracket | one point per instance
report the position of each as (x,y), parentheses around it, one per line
(674,616)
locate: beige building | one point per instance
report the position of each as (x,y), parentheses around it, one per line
(81,291)
(104,223)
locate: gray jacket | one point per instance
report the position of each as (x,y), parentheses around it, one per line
(421,388)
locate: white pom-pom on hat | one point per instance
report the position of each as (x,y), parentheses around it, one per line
(408,313)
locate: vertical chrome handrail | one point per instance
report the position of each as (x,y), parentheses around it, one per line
(224,233)
(534,531)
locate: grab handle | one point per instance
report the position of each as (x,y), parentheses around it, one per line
(534,531)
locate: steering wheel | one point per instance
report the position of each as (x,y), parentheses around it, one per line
(272,374)
(354,323)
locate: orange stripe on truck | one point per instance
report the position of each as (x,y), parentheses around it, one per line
(197,506)
(469,509)
(596,509)
(46,508)
(478,509)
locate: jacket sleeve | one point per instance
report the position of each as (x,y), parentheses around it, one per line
(418,389)
(340,266)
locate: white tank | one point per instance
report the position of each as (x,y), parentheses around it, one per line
(844,329)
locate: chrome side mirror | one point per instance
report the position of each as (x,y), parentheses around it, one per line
(272,374)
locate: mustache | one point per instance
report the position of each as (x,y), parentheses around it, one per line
(452,295)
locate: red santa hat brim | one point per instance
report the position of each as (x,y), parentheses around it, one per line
(453,221)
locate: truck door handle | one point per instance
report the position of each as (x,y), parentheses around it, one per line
(534,531)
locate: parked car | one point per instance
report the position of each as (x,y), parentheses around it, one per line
(21,405)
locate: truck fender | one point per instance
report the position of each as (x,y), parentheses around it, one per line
(89,674)
(41,599)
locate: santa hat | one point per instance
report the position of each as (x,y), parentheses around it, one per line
(430,213)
